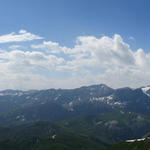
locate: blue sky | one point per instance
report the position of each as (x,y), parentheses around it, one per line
(64,20)
(91,32)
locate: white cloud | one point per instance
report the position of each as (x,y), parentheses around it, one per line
(22,31)
(20,37)
(18,61)
(51,47)
(92,60)
(107,50)
(107,60)
(15,46)
(132,38)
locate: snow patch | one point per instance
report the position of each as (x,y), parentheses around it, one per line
(56,98)
(145,89)
(130,141)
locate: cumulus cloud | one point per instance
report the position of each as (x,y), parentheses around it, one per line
(107,60)
(92,60)
(52,47)
(17,61)
(107,50)
(23,35)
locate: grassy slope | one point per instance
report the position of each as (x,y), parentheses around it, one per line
(110,127)
(92,131)
(61,142)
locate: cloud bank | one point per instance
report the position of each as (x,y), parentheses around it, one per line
(92,60)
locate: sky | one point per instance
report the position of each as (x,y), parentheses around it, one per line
(70,43)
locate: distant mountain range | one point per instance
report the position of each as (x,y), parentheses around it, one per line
(58,104)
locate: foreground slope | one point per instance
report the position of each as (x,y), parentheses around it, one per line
(104,130)
(58,142)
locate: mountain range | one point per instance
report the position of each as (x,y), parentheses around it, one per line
(97,114)
(59,104)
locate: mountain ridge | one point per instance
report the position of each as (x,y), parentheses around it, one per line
(16,105)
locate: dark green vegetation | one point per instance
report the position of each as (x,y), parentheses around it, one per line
(116,126)
(60,142)
(138,145)
(84,132)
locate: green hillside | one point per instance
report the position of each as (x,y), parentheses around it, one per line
(94,132)
(110,127)
(56,142)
